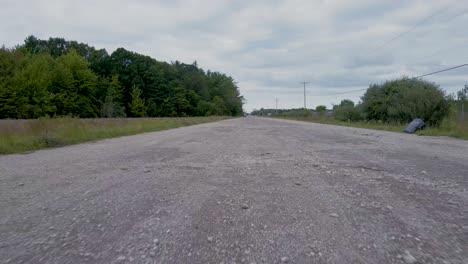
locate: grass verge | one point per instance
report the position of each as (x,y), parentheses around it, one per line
(24,135)
(448,128)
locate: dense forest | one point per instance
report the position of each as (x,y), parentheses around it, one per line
(57,77)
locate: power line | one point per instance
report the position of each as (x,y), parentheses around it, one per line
(434,14)
(448,69)
(348,92)
(437,12)
(417,77)
(411,29)
(463,12)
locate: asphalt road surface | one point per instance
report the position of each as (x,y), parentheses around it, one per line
(247,190)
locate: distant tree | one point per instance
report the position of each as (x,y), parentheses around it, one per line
(34,45)
(462,95)
(66,96)
(346,111)
(219,106)
(177,103)
(99,62)
(137,104)
(11,60)
(84,89)
(205,108)
(321,108)
(111,106)
(30,88)
(57,47)
(451,97)
(346,102)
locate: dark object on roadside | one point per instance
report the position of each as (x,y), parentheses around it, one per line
(414,125)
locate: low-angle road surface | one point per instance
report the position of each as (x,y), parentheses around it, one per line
(247,190)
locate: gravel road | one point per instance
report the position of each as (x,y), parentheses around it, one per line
(247,190)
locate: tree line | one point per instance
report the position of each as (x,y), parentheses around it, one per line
(56,77)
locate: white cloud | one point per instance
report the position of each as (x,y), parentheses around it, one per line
(267,46)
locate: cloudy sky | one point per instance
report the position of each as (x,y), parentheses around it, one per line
(268,46)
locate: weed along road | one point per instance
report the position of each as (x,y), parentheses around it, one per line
(246,190)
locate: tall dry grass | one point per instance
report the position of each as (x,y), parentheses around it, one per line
(25,135)
(450,127)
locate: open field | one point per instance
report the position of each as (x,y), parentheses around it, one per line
(244,190)
(449,127)
(25,135)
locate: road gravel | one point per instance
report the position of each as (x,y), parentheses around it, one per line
(246,190)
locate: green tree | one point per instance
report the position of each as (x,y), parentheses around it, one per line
(321,108)
(180,102)
(10,61)
(65,92)
(225,88)
(111,107)
(205,108)
(30,87)
(137,104)
(81,95)
(462,95)
(219,106)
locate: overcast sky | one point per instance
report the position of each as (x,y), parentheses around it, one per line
(267,46)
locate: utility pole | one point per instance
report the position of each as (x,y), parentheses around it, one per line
(276,100)
(304,83)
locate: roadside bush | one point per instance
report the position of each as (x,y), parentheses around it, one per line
(347,111)
(401,100)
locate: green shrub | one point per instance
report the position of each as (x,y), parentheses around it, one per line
(401,100)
